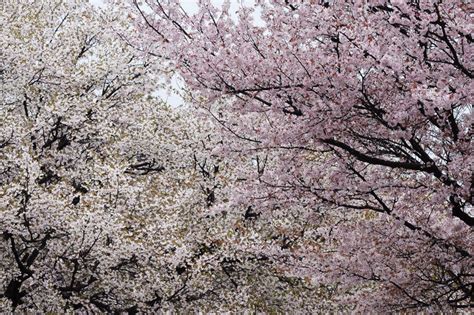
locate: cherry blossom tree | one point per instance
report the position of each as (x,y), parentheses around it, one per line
(72,125)
(107,193)
(355,116)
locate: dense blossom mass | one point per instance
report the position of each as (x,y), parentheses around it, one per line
(105,191)
(322,162)
(356,112)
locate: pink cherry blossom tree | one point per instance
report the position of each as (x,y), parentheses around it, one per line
(355,114)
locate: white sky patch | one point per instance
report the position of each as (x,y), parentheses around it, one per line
(98,3)
(172,96)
